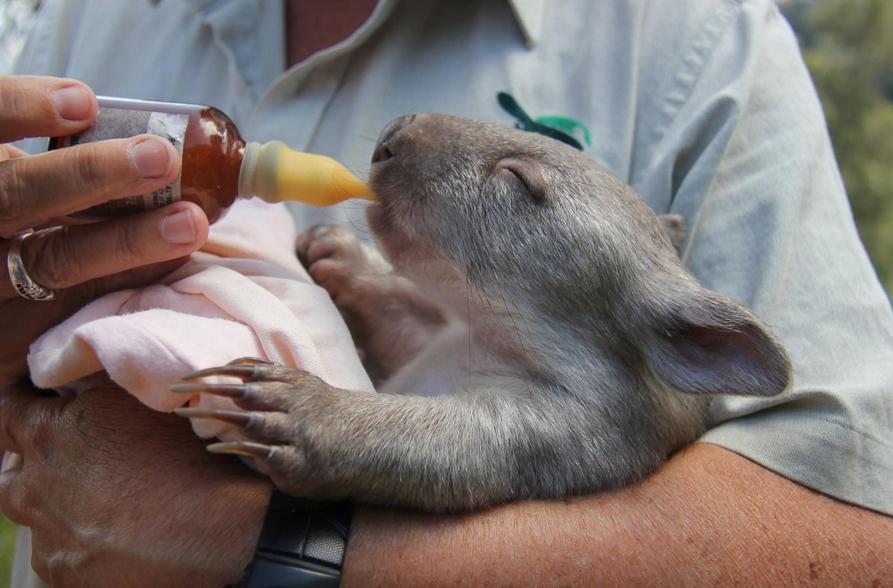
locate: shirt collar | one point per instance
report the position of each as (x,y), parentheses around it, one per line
(529,14)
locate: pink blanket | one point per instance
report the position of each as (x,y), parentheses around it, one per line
(243,294)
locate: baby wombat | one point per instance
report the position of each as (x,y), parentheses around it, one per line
(535,334)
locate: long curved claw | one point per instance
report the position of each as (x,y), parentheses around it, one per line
(248,360)
(234,391)
(233,417)
(246,448)
(249,373)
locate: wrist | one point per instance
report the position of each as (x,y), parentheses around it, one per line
(302,543)
(236,542)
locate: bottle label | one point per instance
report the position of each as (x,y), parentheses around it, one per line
(116,123)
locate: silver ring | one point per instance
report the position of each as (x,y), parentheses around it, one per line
(18,275)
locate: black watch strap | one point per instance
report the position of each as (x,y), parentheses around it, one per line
(301,545)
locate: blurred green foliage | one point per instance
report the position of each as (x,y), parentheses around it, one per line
(7,543)
(848,46)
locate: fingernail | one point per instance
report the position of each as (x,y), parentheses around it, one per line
(178,228)
(10,461)
(151,157)
(73,102)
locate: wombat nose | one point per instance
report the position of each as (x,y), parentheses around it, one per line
(383,150)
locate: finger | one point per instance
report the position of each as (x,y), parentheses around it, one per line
(324,269)
(10,152)
(58,183)
(34,106)
(23,417)
(302,241)
(12,497)
(76,254)
(307,238)
(23,320)
(231,417)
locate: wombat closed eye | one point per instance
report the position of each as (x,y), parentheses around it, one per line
(533,330)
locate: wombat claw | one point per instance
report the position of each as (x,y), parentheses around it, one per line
(246,448)
(270,400)
(232,391)
(247,368)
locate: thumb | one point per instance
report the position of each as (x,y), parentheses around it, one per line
(24,414)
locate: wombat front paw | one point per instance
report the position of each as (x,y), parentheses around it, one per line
(350,271)
(275,402)
(389,319)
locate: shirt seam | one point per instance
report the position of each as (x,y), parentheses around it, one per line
(694,62)
(846,426)
(864,435)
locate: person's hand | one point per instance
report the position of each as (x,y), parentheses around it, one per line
(79,262)
(119,495)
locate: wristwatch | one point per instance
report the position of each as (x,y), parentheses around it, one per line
(301,545)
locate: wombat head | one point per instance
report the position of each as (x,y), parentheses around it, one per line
(530,221)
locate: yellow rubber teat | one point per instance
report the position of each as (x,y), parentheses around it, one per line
(275,173)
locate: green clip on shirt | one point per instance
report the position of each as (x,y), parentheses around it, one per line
(704,106)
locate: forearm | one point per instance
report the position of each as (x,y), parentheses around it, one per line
(708,517)
(119,495)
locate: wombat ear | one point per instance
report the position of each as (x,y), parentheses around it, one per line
(711,345)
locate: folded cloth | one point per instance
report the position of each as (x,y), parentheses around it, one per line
(244,294)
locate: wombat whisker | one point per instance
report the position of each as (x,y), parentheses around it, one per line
(354,205)
(521,344)
(365,137)
(468,289)
(360,228)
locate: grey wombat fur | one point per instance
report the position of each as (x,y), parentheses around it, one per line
(534,332)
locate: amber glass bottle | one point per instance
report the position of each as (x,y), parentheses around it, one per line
(217,165)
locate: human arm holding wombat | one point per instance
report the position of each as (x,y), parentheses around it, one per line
(708,516)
